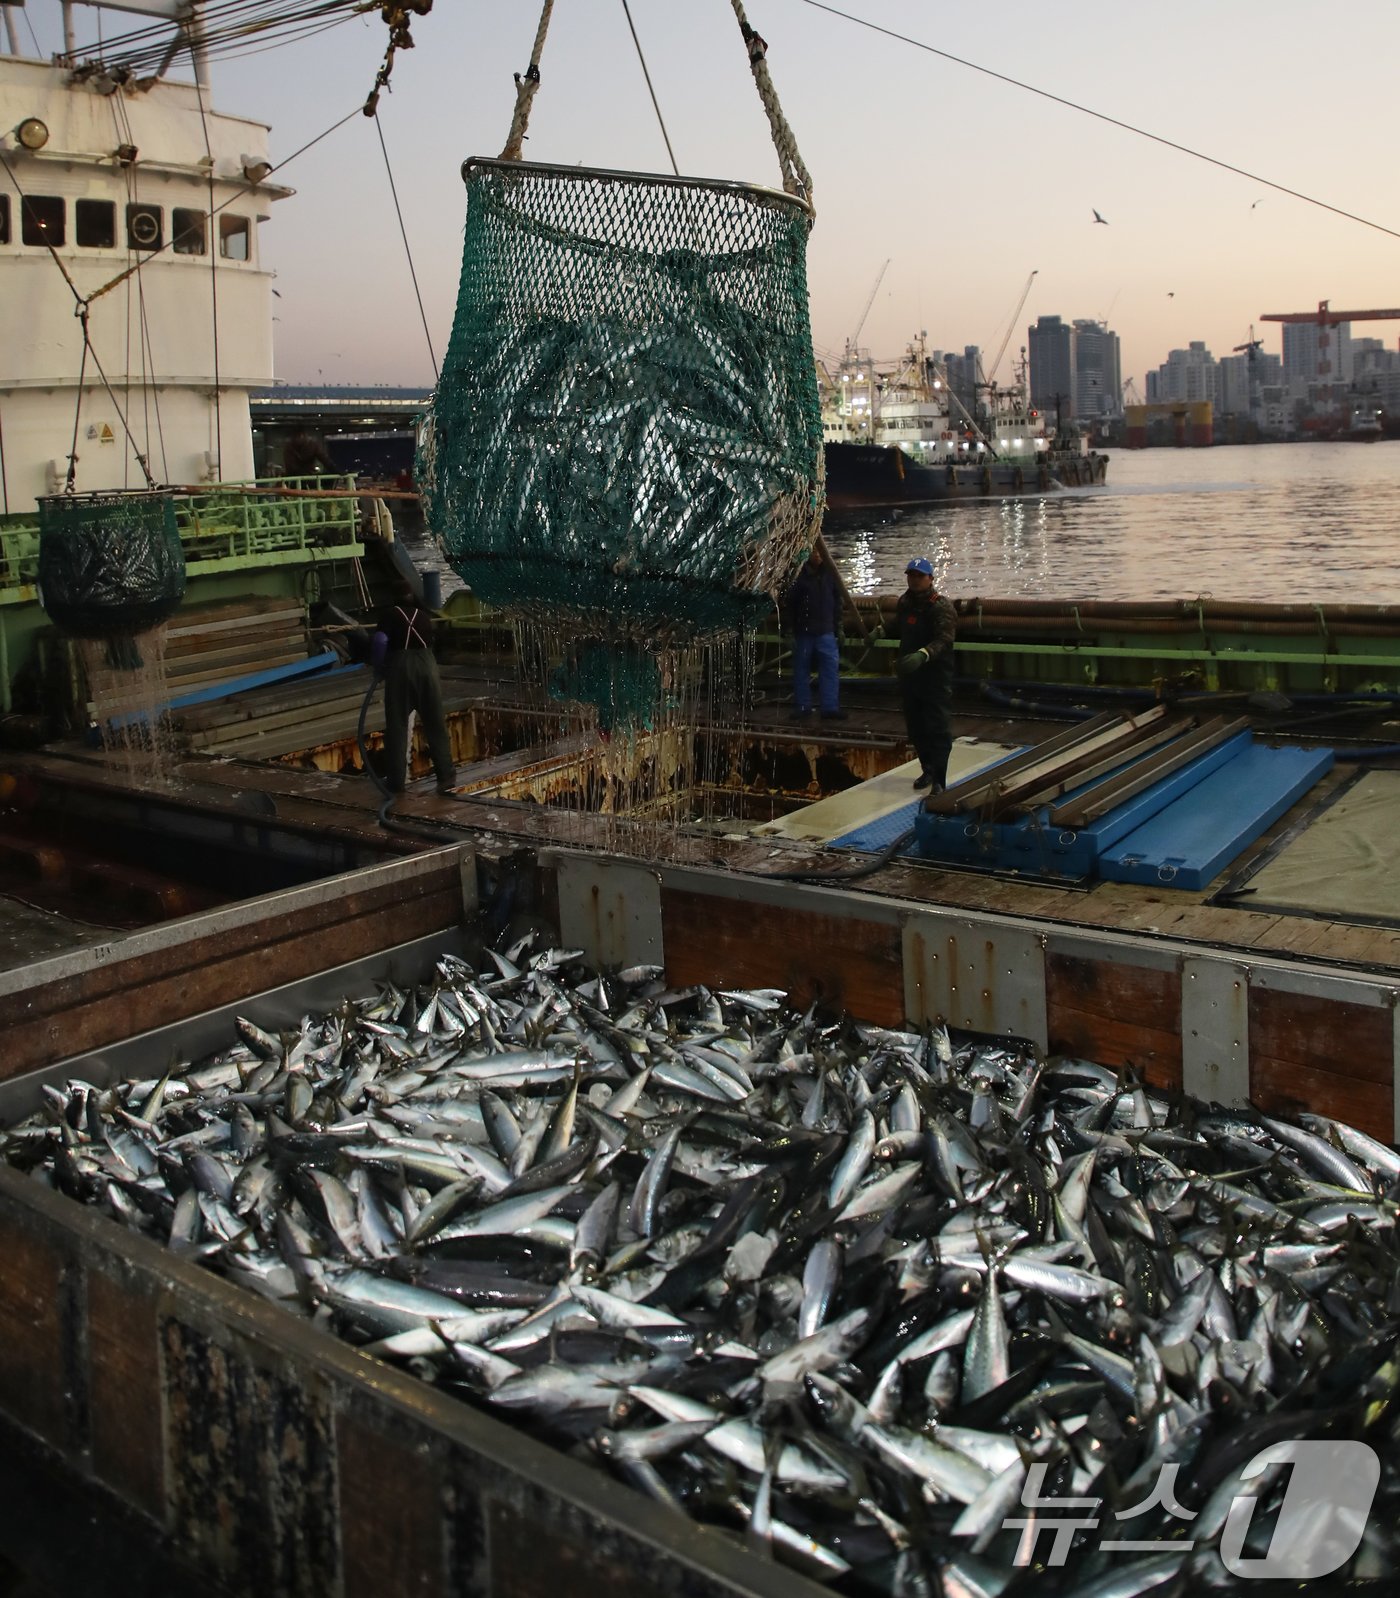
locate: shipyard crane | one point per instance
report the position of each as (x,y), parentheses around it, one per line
(991,375)
(870,300)
(1324,318)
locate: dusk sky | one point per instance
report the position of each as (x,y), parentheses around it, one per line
(964,183)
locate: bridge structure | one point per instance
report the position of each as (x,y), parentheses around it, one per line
(1193,423)
(369,432)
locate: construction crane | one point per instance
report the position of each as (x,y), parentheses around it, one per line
(1130,393)
(991,375)
(1250,351)
(874,290)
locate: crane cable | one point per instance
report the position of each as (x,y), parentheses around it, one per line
(797,180)
(407,248)
(655,104)
(1128,127)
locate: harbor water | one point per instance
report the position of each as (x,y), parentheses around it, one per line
(1288,523)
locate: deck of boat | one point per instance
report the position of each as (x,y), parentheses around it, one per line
(346,807)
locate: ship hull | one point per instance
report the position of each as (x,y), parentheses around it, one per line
(863,476)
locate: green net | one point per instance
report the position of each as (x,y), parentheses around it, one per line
(110,565)
(626,441)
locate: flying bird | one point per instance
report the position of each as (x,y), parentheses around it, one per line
(1259,201)
(1171,294)
(1099,218)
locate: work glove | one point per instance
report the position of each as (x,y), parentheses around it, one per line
(909,664)
(378,654)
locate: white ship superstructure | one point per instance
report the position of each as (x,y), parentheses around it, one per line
(136,202)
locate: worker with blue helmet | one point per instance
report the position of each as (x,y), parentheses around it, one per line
(926,625)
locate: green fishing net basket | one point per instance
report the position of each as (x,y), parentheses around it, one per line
(110,565)
(626,438)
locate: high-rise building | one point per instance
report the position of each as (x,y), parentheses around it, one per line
(1098,375)
(962,374)
(1186,375)
(1317,354)
(1241,379)
(1051,346)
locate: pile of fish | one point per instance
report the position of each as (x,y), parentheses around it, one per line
(916,1316)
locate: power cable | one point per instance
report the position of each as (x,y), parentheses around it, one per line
(1100,116)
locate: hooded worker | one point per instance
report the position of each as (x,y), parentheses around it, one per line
(927,625)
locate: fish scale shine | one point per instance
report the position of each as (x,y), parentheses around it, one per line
(895,1266)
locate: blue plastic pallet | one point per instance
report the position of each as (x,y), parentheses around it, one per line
(1031,844)
(1195,837)
(880,833)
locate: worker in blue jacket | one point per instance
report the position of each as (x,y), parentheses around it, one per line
(927,624)
(813,607)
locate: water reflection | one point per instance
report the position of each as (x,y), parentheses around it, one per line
(1316,522)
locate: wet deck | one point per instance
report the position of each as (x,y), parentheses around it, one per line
(344,809)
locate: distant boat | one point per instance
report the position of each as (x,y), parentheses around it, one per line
(1365,425)
(899,436)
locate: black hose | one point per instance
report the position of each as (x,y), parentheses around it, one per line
(868,869)
(1035,706)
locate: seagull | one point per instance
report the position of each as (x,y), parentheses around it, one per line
(1259,201)
(1171,294)
(1099,218)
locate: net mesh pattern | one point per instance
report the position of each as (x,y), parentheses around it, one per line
(110,565)
(625,442)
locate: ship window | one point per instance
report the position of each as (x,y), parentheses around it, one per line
(44,216)
(144,227)
(187,228)
(234,235)
(95,223)
(4,219)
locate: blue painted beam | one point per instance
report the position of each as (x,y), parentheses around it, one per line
(1197,836)
(313,665)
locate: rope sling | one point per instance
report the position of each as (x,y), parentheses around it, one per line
(625,442)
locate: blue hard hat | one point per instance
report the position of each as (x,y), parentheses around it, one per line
(920,564)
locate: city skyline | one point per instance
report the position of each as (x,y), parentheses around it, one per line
(963,183)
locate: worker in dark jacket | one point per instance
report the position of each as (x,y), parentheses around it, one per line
(403,651)
(813,607)
(927,625)
(305,455)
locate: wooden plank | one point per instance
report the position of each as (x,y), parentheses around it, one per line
(390,1517)
(1116,1014)
(846,963)
(224,618)
(1331,1036)
(120,999)
(124,1389)
(32,1344)
(1283,1087)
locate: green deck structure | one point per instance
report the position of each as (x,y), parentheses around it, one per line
(260,537)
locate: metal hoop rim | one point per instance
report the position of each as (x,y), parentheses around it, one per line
(666,180)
